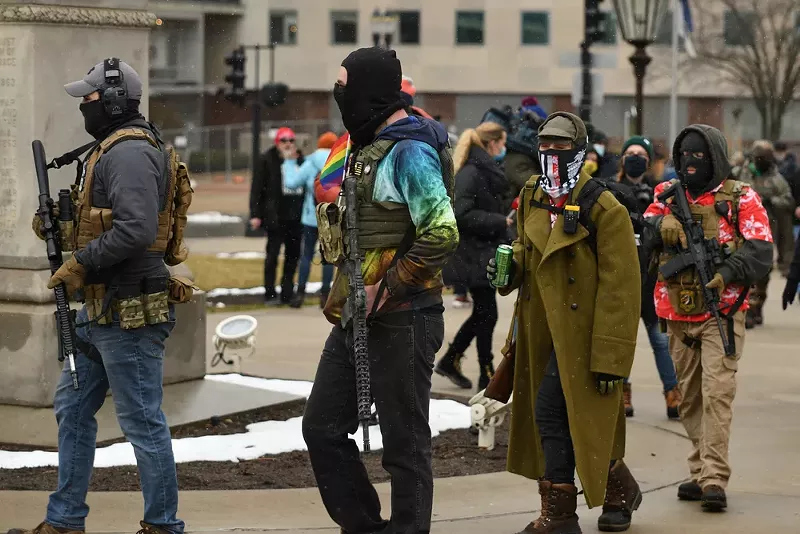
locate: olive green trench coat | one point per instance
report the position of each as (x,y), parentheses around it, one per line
(586,308)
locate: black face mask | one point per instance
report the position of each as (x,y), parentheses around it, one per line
(634,165)
(372,93)
(696,182)
(762,164)
(94,118)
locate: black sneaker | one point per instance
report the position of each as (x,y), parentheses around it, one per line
(690,491)
(714,499)
(297,300)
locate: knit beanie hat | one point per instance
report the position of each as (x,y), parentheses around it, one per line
(643,142)
(327,140)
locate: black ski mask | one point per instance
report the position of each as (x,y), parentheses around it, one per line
(372,93)
(99,125)
(691,145)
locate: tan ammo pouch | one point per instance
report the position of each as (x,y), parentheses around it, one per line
(686,293)
(330,223)
(101,220)
(94,295)
(176,250)
(180,289)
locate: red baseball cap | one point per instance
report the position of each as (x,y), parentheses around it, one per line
(284,133)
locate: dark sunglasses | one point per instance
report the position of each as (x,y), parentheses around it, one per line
(287,140)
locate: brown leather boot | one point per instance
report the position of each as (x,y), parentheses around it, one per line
(151,529)
(558,516)
(623,497)
(45,528)
(673,399)
(627,396)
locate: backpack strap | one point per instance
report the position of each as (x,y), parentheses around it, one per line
(586,200)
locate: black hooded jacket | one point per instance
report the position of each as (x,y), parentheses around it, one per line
(482,203)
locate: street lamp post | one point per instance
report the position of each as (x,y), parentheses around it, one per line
(639,22)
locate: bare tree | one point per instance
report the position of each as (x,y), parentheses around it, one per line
(754,46)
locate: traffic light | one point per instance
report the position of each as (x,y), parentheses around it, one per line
(236,61)
(595,22)
(274,94)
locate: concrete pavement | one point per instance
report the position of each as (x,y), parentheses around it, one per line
(764,493)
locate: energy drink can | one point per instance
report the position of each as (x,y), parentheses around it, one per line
(503,258)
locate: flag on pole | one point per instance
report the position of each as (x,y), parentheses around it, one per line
(686,28)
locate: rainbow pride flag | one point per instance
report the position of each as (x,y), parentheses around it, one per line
(333,171)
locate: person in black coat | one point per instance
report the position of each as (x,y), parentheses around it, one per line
(482,204)
(278,210)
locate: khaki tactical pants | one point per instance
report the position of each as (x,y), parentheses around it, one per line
(707,381)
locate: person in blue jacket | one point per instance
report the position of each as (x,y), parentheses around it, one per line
(303,176)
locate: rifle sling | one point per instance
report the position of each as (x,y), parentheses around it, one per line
(405,246)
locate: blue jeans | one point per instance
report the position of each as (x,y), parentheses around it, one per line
(310,235)
(660,345)
(133,364)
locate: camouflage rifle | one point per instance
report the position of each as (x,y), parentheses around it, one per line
(703,254)
(52,234)
(358,306)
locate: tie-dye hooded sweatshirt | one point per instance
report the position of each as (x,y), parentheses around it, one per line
(409,174)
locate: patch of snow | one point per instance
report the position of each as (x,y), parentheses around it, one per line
(220,305)
(213,217)
(311,287)
(266,437)
(247,255)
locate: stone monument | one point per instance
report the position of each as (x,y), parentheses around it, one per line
(42,47)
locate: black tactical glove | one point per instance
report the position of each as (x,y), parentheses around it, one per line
(491,272)
(607,383)
(789,292)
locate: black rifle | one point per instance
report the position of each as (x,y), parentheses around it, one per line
(703,254)
(52,235)
(358,306)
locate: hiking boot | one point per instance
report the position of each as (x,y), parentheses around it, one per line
(627,395)
(151,529)
(559,502)
(690,491)
(759,318)
(714,499)
(487,372)
(450,367)
(297,300)
(673,399)
(623,497)
(749,320)
(45,528)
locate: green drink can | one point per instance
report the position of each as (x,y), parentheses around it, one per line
(503,258)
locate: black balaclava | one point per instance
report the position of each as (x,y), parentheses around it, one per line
(97,122)
(692,143)
(372,93)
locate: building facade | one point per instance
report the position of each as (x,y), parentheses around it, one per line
(463,55)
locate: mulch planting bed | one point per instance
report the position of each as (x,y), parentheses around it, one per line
(455,453)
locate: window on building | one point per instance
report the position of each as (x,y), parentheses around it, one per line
(344,27)
(535,28)
(738,27)
(664,34)
(408,27)
(609,24)
(283,27)
(469,27)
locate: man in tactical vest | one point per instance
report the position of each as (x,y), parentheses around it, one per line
(404,192)
(731,213)
(128,197)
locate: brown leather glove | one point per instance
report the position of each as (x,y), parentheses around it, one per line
(717,283)
(38,224)
(672,232)
(71,274)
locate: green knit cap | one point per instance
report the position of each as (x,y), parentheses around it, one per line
(643,142)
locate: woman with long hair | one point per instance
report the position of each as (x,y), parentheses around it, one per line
(481,208)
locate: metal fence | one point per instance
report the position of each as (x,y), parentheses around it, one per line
(224,150)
